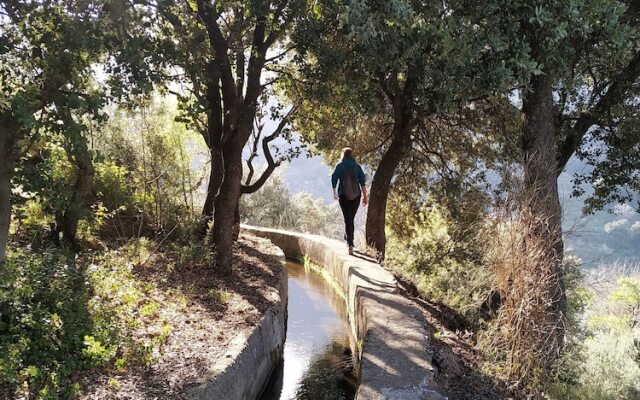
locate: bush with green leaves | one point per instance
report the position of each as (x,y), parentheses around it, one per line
(613,344)
(146,170)
(603,357)
(144,174)
(43,187)
(61,315)
(273,206)
(441,256)
(44,319)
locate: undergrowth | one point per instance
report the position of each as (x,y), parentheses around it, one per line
(442,258)
(61,315)
(604,358)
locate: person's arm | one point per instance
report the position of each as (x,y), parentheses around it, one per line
(363,185)
(334,180)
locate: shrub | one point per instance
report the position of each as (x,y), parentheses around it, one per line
(273,206)
(600,336)
(441,257)
(313,215)
(31,221)
(44,319)
(611,341)
(523,341)
(114,186)
(144,172)
(60,315)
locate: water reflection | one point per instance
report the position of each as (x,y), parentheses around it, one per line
(317,363)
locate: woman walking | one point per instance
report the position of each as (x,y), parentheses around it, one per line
(350,179)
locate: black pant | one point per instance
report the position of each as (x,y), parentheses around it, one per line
(349,210)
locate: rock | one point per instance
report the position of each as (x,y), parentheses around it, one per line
(447,363)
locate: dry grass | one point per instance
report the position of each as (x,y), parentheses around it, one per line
(526,337)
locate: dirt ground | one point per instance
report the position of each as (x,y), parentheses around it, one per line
(205,312)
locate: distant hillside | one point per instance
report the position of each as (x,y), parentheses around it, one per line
(602,237)
(309,175)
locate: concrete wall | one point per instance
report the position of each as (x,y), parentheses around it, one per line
(391,333)
(243,372)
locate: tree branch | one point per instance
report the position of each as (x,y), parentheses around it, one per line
(254,152)
(256,61)
(620,84)
(220,48)
(271,164)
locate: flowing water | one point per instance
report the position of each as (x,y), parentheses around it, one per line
(317,361)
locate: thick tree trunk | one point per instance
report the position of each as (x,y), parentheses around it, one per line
(213,137)
(215,180)
(381,184)
(6,169)
(226,205)
(541,188)
(82,199)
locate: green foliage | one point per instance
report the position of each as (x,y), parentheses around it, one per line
(114,187)
(442,256)
(220,295)
(193,253)
(43,306)
(143,176)
(60,315)
(270,206)
(48,91)
(606,341)
(31,221)
(611,352)
(355,64)
(47,177)
(586,46)
(360,62)
(54,82)
(274,206)
(313,215)
(144,172)
(628,295)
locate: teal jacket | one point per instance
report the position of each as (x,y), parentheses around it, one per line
(339,171)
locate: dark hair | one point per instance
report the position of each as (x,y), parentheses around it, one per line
(347,152)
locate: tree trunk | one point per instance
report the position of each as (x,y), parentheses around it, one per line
(381,184)
(82,199)
(236,222)
(6,169)
(215,180)
(541,189)
(226,205)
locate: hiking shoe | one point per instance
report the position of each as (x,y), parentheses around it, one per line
(350,250)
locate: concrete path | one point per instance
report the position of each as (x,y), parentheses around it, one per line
(392,334)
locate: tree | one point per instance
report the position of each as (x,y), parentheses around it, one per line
(395,65)
(572,57)
(596,117)
(226,80)
(46,53)
(574,65)
(579,74)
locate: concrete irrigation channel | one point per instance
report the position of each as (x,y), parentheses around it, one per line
(389,335)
